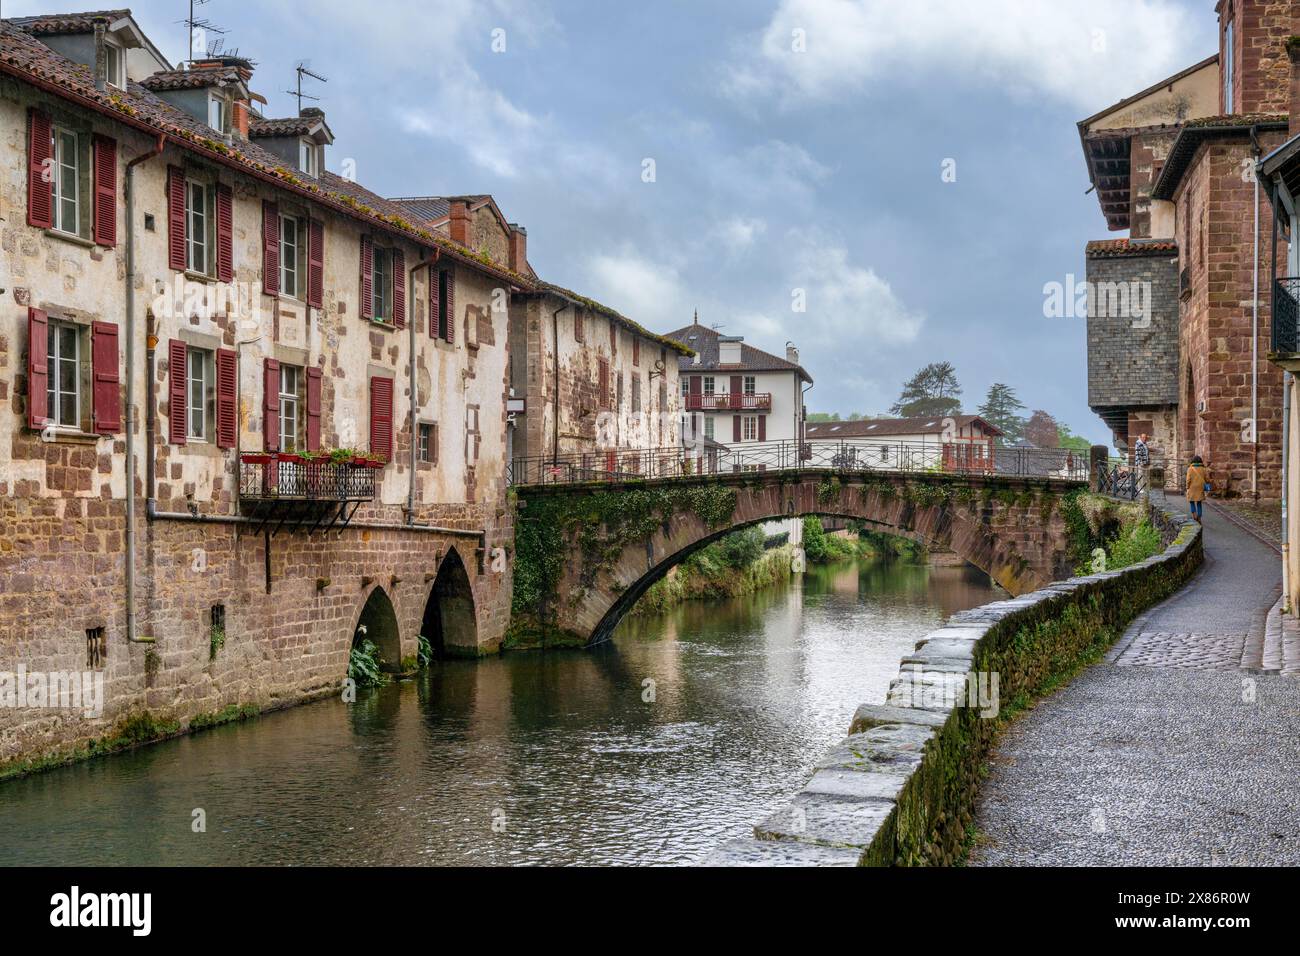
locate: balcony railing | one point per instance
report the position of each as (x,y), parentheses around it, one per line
(1286,315)
(287,477)
(729,402)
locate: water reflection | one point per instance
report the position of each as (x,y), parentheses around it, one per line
(681,732)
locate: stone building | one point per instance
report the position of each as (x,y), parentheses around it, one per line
(1203,199)
(252,410)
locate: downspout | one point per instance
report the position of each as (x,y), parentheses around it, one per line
(129,196)
(1254,332)
(555,377)
(428,263)
(1287,380)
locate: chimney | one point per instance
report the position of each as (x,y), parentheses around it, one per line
(460,222)
(1293,55)
(239,119)
(101,56)
(791,353)
(518,249)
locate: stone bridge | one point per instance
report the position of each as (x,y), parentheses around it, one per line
(585,552)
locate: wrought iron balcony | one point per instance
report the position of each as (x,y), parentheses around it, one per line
(1286,314)
(729,402)
(288,477)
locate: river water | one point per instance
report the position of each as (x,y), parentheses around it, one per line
(683,731)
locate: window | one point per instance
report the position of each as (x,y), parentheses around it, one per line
(63,364)
(636,393)
(293,249)
(201,395)
(708,385)
(67,181)
(749,385)
(686,387)
(709,431)
(96,648)
(1228,54)
(749,428)
(309,158)
(218,113)
(291,419)
(428,442)
(198,221)
(115,65)
(472,436)
(382,285)
(579,333)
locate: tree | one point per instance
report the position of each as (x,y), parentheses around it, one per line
(933,391)
(816,417)
(1042,430)
(1000,408)
(1071,440)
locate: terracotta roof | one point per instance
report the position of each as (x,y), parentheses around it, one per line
(31,61)
(704,340)
(1118,248)
(618,317)
(288,126)
(1198,131)
(890,427)
(195,79)
(53,24)
(435,209)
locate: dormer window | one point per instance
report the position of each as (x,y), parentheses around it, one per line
(115,65)
(309,158)
(218,113)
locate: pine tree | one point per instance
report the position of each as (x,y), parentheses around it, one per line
(1000,408)
(933,391)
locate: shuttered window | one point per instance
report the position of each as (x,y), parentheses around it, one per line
(399,288)
(176,242)
(199,228)
(200,395)
(381,417)
(602,384)
(225,234)
(177,392)
(271,404)
(104,225)
(107,404)
(313,408)
(292,419)
(227,398)
(270,248)
(367,278)
(316,264)
(40,169)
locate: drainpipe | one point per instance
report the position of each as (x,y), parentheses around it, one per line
(1254,332)
(129,194)
(428,263)
(555,375)
(1287,380)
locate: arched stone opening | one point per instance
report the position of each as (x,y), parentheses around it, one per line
(378,624)
(449,622)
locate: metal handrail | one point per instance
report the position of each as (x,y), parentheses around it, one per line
(1286,315)
(728,402)
(271,477)
(847,456)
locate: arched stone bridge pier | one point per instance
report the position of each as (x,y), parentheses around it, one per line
(1012,528)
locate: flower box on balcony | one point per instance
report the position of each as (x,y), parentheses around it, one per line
(257,459)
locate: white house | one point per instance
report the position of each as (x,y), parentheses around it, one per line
(936,443)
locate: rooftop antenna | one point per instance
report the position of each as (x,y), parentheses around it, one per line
(197,29)
(303,69)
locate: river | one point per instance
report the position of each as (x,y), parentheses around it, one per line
(684,730)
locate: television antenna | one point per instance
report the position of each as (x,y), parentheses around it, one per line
(197,25)
(303,69)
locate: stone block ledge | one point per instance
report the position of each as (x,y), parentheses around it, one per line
(900,790)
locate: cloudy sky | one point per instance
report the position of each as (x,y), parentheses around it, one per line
(796,145)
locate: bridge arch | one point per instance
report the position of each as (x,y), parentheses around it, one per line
(1008,528)
(377,622)
(449,620)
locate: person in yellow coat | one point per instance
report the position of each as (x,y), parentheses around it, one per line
(1198,483)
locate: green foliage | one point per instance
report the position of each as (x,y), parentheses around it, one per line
(933,390)
(1000,409)
(424,651)
(820,547)
(227,715)
(1134,544)
(742,548)
(363,665)
(216,641)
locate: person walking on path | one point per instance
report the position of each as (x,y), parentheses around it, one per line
(1142,459)
(1198,483)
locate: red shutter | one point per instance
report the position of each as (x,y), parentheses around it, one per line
(762,428)
(696,385)
(40,175)
(227,398)
(107,396)
(316,264)
(735,428)
(176,218)
(399,289)
(381,417)
(451,305)
(176,391)
(636,351)
(38,368)
(367,278)
(435,319)
(736,399)
(271,404)
(603,398)
(225,233)
(313,409)
(270,248)
(105,219)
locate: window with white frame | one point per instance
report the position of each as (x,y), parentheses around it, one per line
(686,387)
(293,256)
(749,428)
(291,419)
(709,427)
(382,285)
(749,385)
(201,395)
(1228,54)
(309,158)
(198,227)
(63,365)
(68,165)
(428,442)
(115,65)
(219,113)
(708,385)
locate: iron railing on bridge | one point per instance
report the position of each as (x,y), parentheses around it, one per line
(865,456)
(1117,478)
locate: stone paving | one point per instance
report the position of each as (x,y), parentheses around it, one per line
(1168,752)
